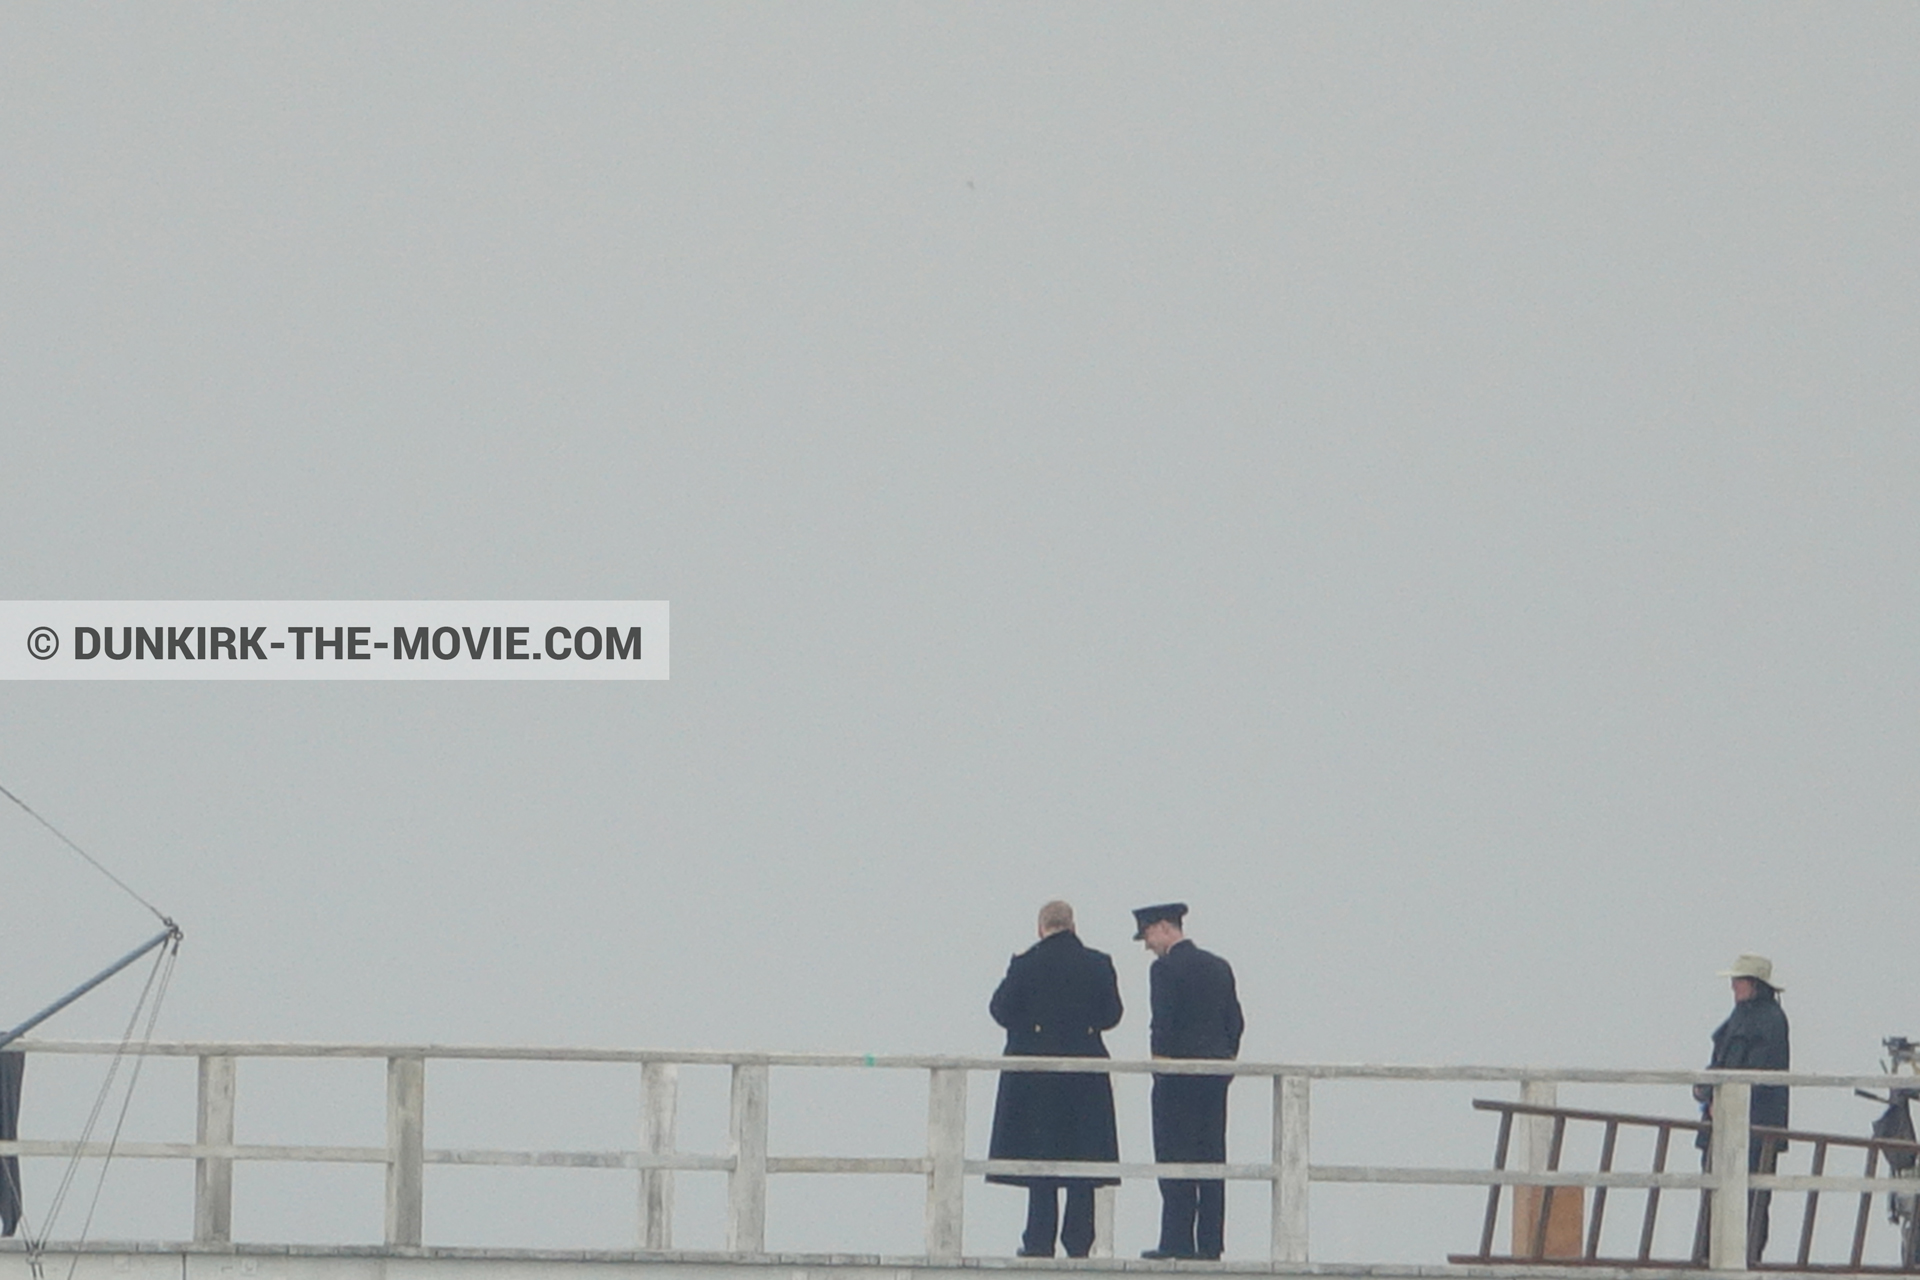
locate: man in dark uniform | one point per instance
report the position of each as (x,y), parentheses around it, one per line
(1753,1038)
(1196,1014)
(1057,997)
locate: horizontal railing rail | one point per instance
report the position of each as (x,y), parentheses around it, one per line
(1466,1074)
(747,1163)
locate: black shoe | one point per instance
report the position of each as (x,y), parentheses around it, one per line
(1163,1255)
(1034,1253)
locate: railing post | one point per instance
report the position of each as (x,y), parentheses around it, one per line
(1103,1201)
(747,1184)
(213,1175)
(660,1085)
(1292,1132)
(406,1147)
(946,1159)
(1538,1129)
(1532,1205)
(1727,1250)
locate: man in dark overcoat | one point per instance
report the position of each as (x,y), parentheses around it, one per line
(1057,997)
(1753,1038)
(1196,1014)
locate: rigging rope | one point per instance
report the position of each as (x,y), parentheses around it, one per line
(162,973)
(94,862)
(126,1101)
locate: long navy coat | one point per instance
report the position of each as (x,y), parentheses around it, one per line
(1057,997)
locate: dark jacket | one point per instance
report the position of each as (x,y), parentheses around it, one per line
(1057,997)
(1754,1038)
(1196,1012)
(12,1065)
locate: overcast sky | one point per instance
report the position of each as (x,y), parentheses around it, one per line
(1431,487)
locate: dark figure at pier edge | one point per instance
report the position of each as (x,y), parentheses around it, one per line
(12,1064)
(1057,997)
(1753,1038)
(1196,1014)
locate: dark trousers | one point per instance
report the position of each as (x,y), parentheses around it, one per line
(1763,1156)
(1043,1217)
(1190,1126)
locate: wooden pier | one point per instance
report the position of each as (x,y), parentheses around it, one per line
(643,1144)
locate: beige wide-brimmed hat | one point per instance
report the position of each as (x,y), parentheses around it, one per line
(1751,966)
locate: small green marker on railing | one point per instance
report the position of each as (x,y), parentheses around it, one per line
(869,1059)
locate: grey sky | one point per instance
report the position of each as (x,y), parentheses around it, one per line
(1430,487)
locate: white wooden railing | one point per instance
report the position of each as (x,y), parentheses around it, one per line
(1288,1168)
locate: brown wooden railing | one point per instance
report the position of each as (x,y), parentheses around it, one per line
(1533,1221)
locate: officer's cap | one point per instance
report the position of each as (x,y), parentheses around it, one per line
(1172,912)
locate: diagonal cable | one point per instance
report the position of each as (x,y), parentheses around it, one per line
(62,836)
(126,1101)
(59,1199)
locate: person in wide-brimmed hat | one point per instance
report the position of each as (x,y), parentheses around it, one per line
(1753,1038)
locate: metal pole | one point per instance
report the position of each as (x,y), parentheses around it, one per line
(171,931)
